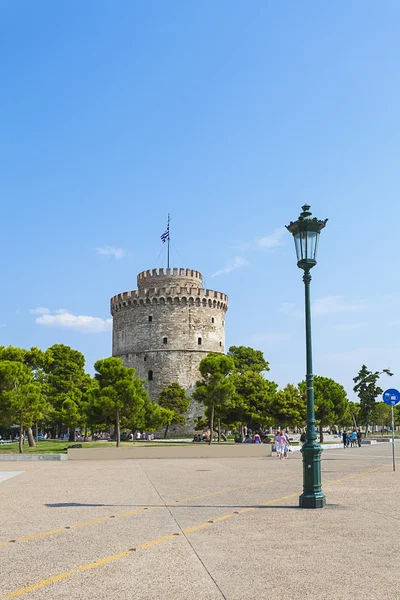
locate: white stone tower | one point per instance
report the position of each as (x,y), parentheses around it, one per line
(165,327)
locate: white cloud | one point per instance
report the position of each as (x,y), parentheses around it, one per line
(81,323)
(272,240)
(61,311)
(110,251)
(328,305)
(334,304)
(237,263)
(40,310)
(268,242)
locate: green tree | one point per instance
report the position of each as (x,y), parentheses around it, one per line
(155,416)
(119,394)
(382,414)
(216,386)
(367,389)
(330,399)
(248,359)
(174,398)
(251,402)
(35,360)
(65,380)
(20,396)
(288,407)
(352,415)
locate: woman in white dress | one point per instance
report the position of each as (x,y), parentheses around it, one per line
(280,443)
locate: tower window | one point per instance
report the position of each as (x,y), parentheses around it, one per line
(199,341)
(150,318)
(145,358)
(220,343)
(150,376)
(212,319)
(165,340)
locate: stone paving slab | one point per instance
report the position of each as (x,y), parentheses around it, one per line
(235,531)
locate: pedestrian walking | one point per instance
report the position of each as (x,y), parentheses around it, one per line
(280,446)
(353,438)
(287,444)
(277,443)
(359,437)
(344,437)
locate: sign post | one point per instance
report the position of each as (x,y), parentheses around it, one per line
(392,397)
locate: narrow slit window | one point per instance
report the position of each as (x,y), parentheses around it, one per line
(165,340)
(212,319)
(199,341)
(150,376)
(220,343)
(145,358)
(150,318)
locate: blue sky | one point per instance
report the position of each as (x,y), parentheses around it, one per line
(229,115)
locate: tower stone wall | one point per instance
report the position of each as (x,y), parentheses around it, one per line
(165,327)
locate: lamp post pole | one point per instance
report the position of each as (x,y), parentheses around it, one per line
(306,232)
(312,496)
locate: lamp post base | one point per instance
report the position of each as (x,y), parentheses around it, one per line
(312,500)
(312,496)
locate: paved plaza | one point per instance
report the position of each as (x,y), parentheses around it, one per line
(198,528)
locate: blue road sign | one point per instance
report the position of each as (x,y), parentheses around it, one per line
(391,397)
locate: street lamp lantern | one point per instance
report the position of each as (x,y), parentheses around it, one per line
(306,232)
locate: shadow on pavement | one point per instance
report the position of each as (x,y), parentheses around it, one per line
(177,505)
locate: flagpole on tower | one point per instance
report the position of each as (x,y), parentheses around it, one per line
(165,238)
(168,240)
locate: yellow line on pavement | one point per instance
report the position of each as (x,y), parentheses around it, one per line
(103,561)
(355,475)
(146,545)
(92,522)
(36,535)
(158,541)
(38,585)
(41,534)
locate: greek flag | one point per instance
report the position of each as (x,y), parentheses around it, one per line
(165,235)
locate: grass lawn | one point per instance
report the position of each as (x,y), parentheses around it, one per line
(59,446)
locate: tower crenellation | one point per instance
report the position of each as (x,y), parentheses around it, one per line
(169,278)
(165,327)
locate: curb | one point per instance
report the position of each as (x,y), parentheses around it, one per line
(29,457)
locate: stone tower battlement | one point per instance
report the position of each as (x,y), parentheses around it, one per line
(169,278)
(170,295)
(165,327)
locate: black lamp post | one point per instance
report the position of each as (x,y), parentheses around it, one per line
(306,232)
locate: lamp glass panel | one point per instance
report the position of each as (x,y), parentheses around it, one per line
(311,244)
(316,246)
(297,243)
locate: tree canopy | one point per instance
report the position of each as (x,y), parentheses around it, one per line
(118,393)
(215,387)
(248,359)
(330,401)
(174,398)
(367,388)
(288,407)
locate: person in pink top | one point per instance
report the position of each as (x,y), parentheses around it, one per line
(280,444)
